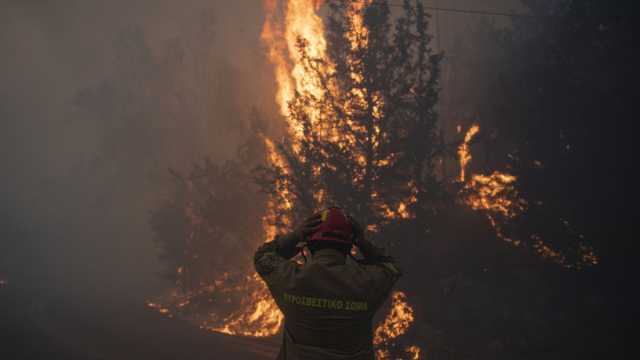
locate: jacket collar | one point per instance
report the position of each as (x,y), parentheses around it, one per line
(329,256)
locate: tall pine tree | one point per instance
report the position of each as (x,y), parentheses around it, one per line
(366,135)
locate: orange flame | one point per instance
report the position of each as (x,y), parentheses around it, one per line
(258,315)
(414,352)
(395,324)
(497,197)
(397,321)
(495,193)
(301,23)
(463,150)
(255,314)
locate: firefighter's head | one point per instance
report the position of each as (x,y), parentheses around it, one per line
(335,231)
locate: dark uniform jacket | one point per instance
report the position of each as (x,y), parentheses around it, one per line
(328,303)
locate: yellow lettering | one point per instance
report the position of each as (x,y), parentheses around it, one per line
(323,303)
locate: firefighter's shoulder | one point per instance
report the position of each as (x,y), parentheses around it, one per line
(387,266)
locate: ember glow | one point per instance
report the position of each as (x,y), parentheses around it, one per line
(257,316)
(234,304)
(464,153)
(396,323)
(494,195)
(497,197)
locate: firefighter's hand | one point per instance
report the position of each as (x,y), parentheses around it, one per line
(308,227)
(368,250)
(358,231)
(286,244)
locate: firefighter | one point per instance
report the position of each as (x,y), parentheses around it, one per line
(329,301)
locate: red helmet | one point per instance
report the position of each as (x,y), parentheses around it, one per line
(335,227)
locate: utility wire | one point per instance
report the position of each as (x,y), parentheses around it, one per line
(468,11)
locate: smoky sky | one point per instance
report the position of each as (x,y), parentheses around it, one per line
(74,220)
(78,181)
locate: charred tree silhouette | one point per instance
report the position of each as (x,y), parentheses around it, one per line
(200,229)
(211,219)
(560,113)
(558,117)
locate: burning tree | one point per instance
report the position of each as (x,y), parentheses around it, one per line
(363,123)
(360,111)
(356,135)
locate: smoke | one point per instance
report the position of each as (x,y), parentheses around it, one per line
(90,122)
(98,99)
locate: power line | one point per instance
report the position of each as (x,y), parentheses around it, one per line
(477,12)
(468,11)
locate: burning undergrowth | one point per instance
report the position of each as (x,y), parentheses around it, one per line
(207,231)
(235,304)
(519,221)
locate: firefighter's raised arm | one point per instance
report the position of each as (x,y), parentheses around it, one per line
(377,256)
(329,301)
(273,257)
(382,267)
